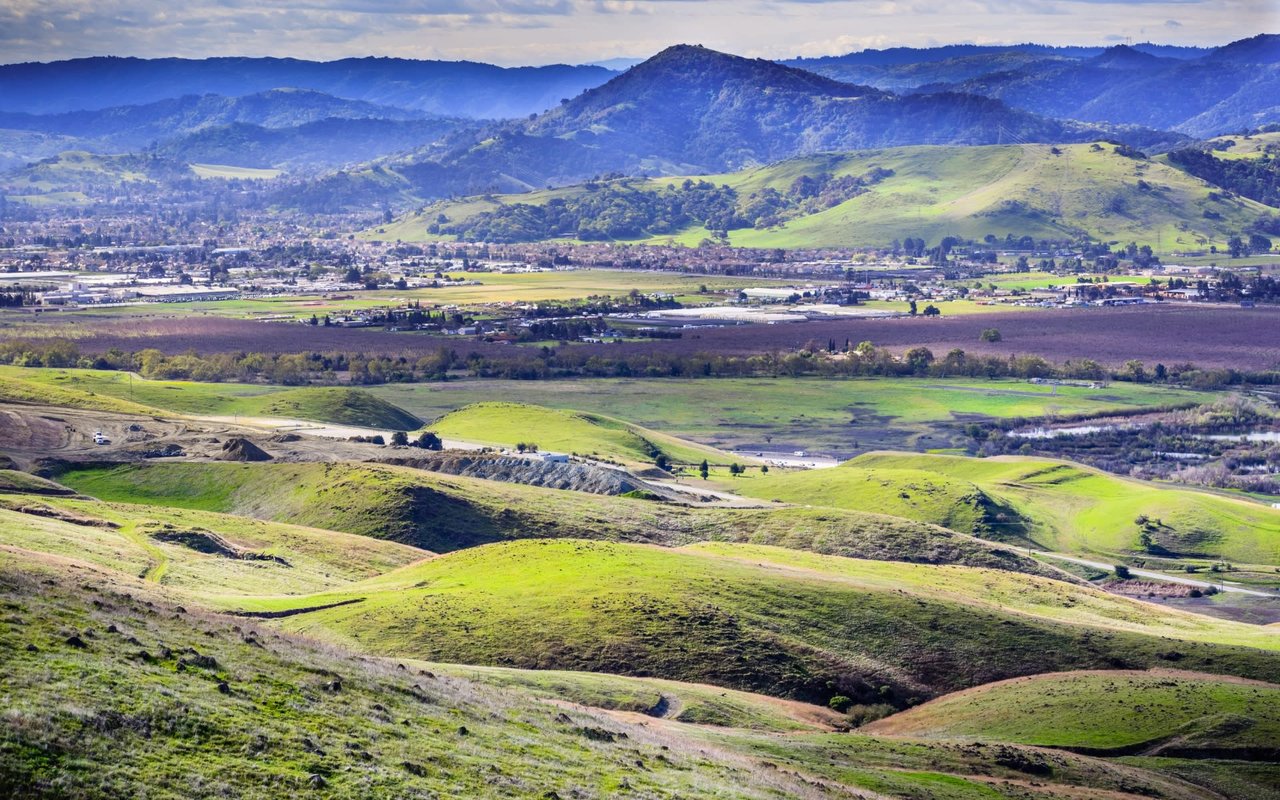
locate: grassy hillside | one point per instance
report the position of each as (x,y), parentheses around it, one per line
(937,191)
(595,435)
(171,702)
(196,552)
(1171,712)
(1254,146)
(137,709)
(761,619)
(683,702)
(1055,504)
(15,389)
(444,512)
(107,390)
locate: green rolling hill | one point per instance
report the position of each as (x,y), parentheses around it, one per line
(761,619)
(443,513)
(1122,712)
(1055,504)
(107,390)
(192,551)
(115,690)
(1058,192)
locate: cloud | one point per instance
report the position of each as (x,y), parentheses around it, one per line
(542,31)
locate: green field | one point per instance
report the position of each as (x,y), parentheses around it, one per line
(958,191)
(1114,710)
(494,288)
(1054,504)
(761,619)
(593,435)
(812,413)
(124,392)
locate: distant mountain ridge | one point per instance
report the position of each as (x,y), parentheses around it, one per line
(693,110)
(448,88)
(1198,92)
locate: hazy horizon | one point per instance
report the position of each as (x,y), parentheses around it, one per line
(539,32)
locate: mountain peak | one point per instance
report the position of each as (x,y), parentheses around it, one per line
(1122,56)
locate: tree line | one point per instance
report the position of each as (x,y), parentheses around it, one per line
(817,359)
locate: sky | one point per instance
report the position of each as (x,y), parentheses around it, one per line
(513,32)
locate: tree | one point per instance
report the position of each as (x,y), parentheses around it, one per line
(428,440)
(1123,573)
(662,462)
(919,358)
(1235,246)
(1259,243)
(990,335)
(352,276)
(932,311)
(764,469)
(399,438)
(704,469)
(912,308)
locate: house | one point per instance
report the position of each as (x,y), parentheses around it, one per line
(553,458)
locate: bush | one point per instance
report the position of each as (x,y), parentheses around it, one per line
(840,703)
(990,335)
(1122,572)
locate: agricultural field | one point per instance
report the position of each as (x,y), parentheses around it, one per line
(491,288)
(592,435)
(838,416)
(1207,336)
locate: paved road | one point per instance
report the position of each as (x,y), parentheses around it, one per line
(1145,573)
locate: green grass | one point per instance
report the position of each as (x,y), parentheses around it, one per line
(1247,146)
(760,619)
(1055,504)
(16,388)
(1105,711)
(14,482)
(121,718)
(552,430)
(108,390)
(444,512)
(194,551)
(938,191)
(812,413)
(683,702)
